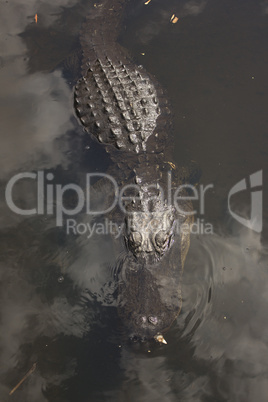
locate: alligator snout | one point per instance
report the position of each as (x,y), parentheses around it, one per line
(149,297)
(144,326)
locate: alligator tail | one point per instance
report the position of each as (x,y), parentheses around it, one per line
(100,32)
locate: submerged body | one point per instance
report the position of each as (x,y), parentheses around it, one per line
(125,109)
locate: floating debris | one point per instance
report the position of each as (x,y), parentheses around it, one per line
(147,2)
(174,19)
(160,339)
(172,165)
(35,18)
(23,379)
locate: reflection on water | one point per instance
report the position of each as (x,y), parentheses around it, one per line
(56,307)
(35,108)
(218,340)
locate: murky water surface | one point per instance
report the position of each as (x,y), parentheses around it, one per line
(55,311)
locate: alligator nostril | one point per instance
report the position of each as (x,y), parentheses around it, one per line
(153,319)
(143,319)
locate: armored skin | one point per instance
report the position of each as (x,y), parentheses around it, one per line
(124,108)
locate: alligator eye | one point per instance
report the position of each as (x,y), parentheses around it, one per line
(135,239)
(161,239)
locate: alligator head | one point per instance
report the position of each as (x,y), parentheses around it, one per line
(151,225)
(150,234)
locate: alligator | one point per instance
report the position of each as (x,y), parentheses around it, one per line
(125,109)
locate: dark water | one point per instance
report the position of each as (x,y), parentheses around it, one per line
(54,308)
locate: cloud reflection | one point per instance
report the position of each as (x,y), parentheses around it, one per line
(193,8)
(234,332)
(36,109)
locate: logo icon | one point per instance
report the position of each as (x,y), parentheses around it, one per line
(255,221)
